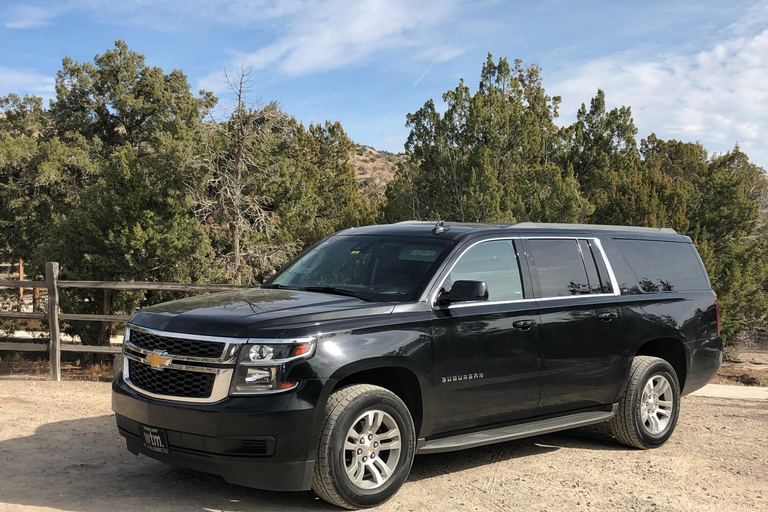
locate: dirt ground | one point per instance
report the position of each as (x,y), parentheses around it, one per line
(745,368)
(59,450)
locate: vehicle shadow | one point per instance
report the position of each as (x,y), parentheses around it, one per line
(596,437)
(83,465)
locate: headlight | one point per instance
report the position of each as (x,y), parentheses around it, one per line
(261,365)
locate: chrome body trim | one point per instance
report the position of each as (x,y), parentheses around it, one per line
(519,431)
(175,366)
(266,392)
(192,359)
(279,362)
(220,384)
(187,336)
(226,364)
(223,375)
(228,355)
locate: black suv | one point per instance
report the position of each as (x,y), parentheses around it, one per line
(382,342)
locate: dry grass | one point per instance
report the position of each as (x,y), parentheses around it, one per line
(18,364)
(744,367)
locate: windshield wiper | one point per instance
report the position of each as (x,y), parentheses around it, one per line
(336,291)
(279,287)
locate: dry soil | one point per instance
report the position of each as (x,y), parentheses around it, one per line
(59,450)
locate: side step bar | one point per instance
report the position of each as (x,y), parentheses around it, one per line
(533,428)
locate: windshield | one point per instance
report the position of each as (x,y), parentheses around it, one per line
(380,268)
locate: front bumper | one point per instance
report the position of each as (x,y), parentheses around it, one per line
(263,442)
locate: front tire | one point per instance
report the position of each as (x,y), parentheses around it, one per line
(366,448)
(649,405)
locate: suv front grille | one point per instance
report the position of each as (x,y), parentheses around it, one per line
(176,346)
(171,382)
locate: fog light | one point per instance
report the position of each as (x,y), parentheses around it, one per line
(260,353)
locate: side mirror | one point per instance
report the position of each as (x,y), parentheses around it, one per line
(464,291)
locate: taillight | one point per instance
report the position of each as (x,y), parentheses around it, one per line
(717,306)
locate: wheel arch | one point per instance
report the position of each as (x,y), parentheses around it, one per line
(393,374)
(672,350)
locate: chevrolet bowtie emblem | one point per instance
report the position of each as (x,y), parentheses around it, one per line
(157,360)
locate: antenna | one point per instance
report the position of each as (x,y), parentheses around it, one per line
(440,228)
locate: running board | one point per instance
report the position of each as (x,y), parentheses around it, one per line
(533,428)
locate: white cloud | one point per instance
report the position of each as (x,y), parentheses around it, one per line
(338,33)
(717,96)
(307,35)
(28,16)
(26,80)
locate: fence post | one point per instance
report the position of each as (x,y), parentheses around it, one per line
(21,290)
(52,283)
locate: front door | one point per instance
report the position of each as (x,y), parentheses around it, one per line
(487,353)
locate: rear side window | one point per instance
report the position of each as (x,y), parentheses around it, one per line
(559,267)
(493,262)
(664,266)
(589,263)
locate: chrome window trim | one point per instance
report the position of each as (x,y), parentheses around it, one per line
(521,301)
(432,298)
(611,275)
(599,244)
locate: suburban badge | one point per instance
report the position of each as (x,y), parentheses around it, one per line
(466,376)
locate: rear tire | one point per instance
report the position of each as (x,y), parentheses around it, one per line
(649,404)
(366,449)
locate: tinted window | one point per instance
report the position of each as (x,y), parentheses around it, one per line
(559,267)
(493,262)
(664,266)
(379,268)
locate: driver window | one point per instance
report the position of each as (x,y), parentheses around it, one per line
(495,263)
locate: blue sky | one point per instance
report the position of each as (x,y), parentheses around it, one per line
(690,72)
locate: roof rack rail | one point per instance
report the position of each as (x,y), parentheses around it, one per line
(592,227)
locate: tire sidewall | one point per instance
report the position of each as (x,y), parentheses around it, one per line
(371,497)
(661,368)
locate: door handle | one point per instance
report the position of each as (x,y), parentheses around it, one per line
(608,316)
(524,325)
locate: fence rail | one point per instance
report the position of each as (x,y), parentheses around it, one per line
(52,284)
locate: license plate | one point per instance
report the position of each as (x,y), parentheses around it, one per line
(154,439)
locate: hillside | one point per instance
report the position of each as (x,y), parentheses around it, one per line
(374,169)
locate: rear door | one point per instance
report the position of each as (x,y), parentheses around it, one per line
(487,353)
(581,333)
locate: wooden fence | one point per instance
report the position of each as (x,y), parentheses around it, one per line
(52,284)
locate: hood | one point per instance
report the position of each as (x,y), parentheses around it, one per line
(253,312)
